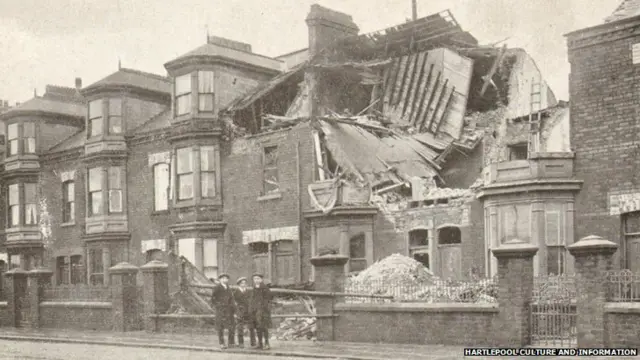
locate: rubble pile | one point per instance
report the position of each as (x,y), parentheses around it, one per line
(407,280)
(446,193)
(296,329)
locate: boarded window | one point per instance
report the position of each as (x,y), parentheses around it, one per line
(161,187)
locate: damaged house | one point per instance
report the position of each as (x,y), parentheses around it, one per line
(413,140)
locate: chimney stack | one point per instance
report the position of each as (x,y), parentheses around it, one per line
(78,83)
(326,26)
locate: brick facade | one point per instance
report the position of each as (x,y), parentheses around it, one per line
(604,126)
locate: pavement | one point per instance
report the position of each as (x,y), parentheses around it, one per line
(207,343)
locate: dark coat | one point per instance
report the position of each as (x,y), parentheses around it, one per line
(222,301)
(242,304)
(260,306)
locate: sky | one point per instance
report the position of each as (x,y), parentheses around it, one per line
(55,41)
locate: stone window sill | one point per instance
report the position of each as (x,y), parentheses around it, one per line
(271,196)
(159,212)
(68,224)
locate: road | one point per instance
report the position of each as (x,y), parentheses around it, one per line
(22,350)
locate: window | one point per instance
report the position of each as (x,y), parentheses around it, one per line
(115,189)
(77,270)
(62,270)
(155,254)
(419,246)
(185,173)
(270,170)
(12,136)
(554,239)
(115,116)
(95,118)
(30,204)
(96,275)
(207,172)
(95,192)
(69,204)
(357,253)
(518,151)
(14,205)
(449,235)
(514,222)
(29,138)
(183,94)
(205,91)
(161,187)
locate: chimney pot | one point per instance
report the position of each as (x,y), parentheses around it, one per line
(78,83)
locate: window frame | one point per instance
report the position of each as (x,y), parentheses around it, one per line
(184,176)
(204,93)
(187,95)
(361,236)
(63,274)
(210,172)
(22,206)
(115,188)
(156,190)
(33,203)
(90,192)
(91,120)
(445,228)
(68,202)
(11,205)
(560,243)
(111,116)
(13,140)
(25,139)
(266,152)
(92,267)
(518,149)
(420,249)
(79,270)
(21,142)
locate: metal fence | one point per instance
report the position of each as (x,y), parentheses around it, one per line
(553,311)
(435,291)
(622,286)
(77,292)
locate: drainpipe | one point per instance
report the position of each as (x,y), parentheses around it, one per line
(300,219)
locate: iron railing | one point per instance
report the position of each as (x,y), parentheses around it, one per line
(622,286)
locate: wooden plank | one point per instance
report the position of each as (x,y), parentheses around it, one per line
(416,87)
(441,116)
(406,86)
(413,88)
(438,104)
(397,91)
(422,94)
(432,95)
(391,83)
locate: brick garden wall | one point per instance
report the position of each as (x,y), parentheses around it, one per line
(604,124)
(623,323)
(76,315)
(416,323)
(4,315)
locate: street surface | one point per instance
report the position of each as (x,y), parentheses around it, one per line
(23,350)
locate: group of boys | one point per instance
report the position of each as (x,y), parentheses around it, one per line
(242,308)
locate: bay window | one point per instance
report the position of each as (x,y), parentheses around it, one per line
(555,239)
(357,253)
(205,91)
(115,189)
(185,173)
(23,204)
(68,199)
(95,118)
(183,94)
(115,116)
(12,136)
(207,172)
(95,192)
(161,187)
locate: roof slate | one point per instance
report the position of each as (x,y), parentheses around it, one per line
(74,141)
(49,106)
(214,50)
(160,121)
(136,78)
(626,9)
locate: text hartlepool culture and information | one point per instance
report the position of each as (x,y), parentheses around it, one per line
(549,352)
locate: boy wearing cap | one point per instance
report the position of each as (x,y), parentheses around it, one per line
(222,301)
(241,295)
(260,309)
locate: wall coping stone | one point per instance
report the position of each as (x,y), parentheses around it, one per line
(123,268)
(329,260)
(39,272)
(622,308)
(421,307)
(515,248)
(16,272)
(591,245)
(77,304)
(155,266)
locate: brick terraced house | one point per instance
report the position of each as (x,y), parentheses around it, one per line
(605,74)
(414,139)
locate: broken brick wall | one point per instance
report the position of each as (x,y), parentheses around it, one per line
(605,131)
(462,169)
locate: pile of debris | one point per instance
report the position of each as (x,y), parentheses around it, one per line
(299,327)
(407,280)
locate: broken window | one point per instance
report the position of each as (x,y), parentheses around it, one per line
(270,169)
(518,151)
(419,246)
(357,253)
(449,235)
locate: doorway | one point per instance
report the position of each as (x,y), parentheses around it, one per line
(631,231)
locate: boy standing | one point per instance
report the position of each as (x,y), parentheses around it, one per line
(222,301)
(260,309)
(241,295)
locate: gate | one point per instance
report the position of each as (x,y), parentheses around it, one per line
(553,316)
